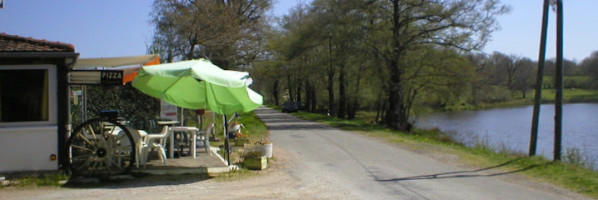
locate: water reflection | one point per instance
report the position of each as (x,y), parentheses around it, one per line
(510,128)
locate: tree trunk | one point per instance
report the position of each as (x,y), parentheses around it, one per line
(355,104)
(313,99)
(275,92)
(342,90)
(290,87)
(330,86)
(394,97)
(354,107)
(384,110)
(298,91)
(307,96)
(170,56)
(396,118)
(191,49)
(378,109)
(330,91)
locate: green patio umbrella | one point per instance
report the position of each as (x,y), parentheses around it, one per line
(198,84)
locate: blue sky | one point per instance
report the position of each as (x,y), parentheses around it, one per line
(520,34)
(109,28)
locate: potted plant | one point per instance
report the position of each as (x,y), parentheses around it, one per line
(266,147)
(253,158)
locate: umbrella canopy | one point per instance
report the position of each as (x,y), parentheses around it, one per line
(198,84)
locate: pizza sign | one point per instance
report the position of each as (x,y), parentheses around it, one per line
(112,77)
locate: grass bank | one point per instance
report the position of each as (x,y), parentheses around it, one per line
(548,96)
(569,95)
(574,177)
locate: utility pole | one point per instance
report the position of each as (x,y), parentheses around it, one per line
(539,80)
(558,118)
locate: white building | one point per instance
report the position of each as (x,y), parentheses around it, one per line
(34,103)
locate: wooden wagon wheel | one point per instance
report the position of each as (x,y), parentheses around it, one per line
(101,147)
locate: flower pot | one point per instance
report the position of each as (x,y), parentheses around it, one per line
(267,148)
(256,163)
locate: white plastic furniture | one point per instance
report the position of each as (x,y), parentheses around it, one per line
(194,131)
(139,142)
(155,141)
(206,137)
(137,137)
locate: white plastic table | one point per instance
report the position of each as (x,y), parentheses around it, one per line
(194,131)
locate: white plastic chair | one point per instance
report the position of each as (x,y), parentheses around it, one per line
(137,138)
(206,138)
(155,141)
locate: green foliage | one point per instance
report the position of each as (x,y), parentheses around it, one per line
(131,104)
(589,66)
(338,56)
(494,94)
(436,77)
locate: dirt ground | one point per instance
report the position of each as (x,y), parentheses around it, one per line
(272,183)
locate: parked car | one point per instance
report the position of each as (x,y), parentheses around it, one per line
(289,106)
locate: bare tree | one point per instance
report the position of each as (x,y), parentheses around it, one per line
(218,30)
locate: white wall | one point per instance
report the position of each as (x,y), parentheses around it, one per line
(28,148)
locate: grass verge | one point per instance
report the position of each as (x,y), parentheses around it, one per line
(573,177)
(235,175)
(36,180)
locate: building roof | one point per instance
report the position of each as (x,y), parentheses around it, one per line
(15,43)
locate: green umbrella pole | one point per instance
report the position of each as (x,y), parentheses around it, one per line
(226,145)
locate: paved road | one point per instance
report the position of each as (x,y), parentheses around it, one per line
(313,161)
(353,166)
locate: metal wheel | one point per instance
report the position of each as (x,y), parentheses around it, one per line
(101,147)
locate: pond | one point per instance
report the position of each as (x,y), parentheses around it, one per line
(510,128)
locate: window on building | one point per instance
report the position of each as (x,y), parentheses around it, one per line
(24,95)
